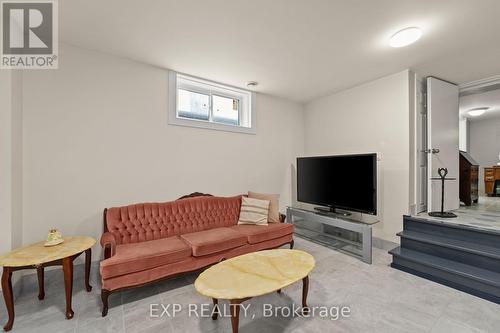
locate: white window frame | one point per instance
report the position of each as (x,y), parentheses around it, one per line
(246,105)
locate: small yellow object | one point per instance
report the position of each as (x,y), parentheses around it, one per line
(254,274)
(54,238)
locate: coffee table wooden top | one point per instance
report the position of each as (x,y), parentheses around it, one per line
(254,274)
(37,254)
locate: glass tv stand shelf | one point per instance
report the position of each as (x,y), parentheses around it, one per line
(341,233)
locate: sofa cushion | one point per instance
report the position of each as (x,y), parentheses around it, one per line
(274,205)
(136,257)
(213,240)
(261,233)
(253,211)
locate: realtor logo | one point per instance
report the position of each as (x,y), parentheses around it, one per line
(29,34)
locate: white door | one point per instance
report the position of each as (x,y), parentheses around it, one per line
(421,141)
(442,143)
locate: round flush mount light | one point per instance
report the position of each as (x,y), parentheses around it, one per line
(405,37)
(476,112)
(252,84)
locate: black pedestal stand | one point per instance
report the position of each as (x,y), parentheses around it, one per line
(442,176)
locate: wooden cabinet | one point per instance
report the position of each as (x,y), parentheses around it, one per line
(469,179)
(491,177)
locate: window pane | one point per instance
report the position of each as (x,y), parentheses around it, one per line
(225,110)
(192,105)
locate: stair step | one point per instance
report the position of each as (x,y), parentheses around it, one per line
(455,231)
(478,274)
(455,244)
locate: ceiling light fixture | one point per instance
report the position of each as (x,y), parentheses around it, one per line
(405,37)
(252,84)
(476,112)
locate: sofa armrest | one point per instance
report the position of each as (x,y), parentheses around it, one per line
(108,243)
(282,218)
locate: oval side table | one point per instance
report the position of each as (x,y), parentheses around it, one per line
(36,256)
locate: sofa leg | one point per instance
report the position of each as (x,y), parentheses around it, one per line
(104,297)
(291,244)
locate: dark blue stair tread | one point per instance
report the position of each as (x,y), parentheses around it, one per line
(478,274)
(452,243)
(452,225)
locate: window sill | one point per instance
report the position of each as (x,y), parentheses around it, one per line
(173,120)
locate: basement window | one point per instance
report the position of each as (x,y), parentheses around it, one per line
(201,103)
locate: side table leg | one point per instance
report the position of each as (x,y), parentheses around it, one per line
(235,314)
(305,289)
(68,284)
(216,309)
(41,288)
(88,261)
(7,295)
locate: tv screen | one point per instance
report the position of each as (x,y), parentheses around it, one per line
(345,181)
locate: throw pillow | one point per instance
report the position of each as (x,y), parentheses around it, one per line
(253,211)
(274,204)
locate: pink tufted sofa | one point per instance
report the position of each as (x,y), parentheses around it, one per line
(147,242)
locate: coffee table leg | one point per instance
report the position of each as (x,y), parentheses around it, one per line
(216,310)
(68,284)
(41,287)
(7,295)
(305,289)
(88,261)
(235,314)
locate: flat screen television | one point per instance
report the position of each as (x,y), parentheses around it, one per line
(344,181)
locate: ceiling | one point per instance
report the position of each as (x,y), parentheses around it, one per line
(489,99)
(296,49)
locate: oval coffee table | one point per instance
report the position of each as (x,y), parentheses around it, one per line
(241,278)
(36,256)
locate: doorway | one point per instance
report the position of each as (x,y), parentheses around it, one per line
(480,136)
(478,142)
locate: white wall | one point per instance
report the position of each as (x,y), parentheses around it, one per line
(463,133)
(96,136)
(10,161)
(373,117)
(17,159)
(484,145)
(5,160)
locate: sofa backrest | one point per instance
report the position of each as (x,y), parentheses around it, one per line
(149,221)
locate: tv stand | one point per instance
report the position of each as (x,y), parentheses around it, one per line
(343,234)
(332,211)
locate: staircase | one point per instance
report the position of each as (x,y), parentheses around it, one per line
(457,256)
